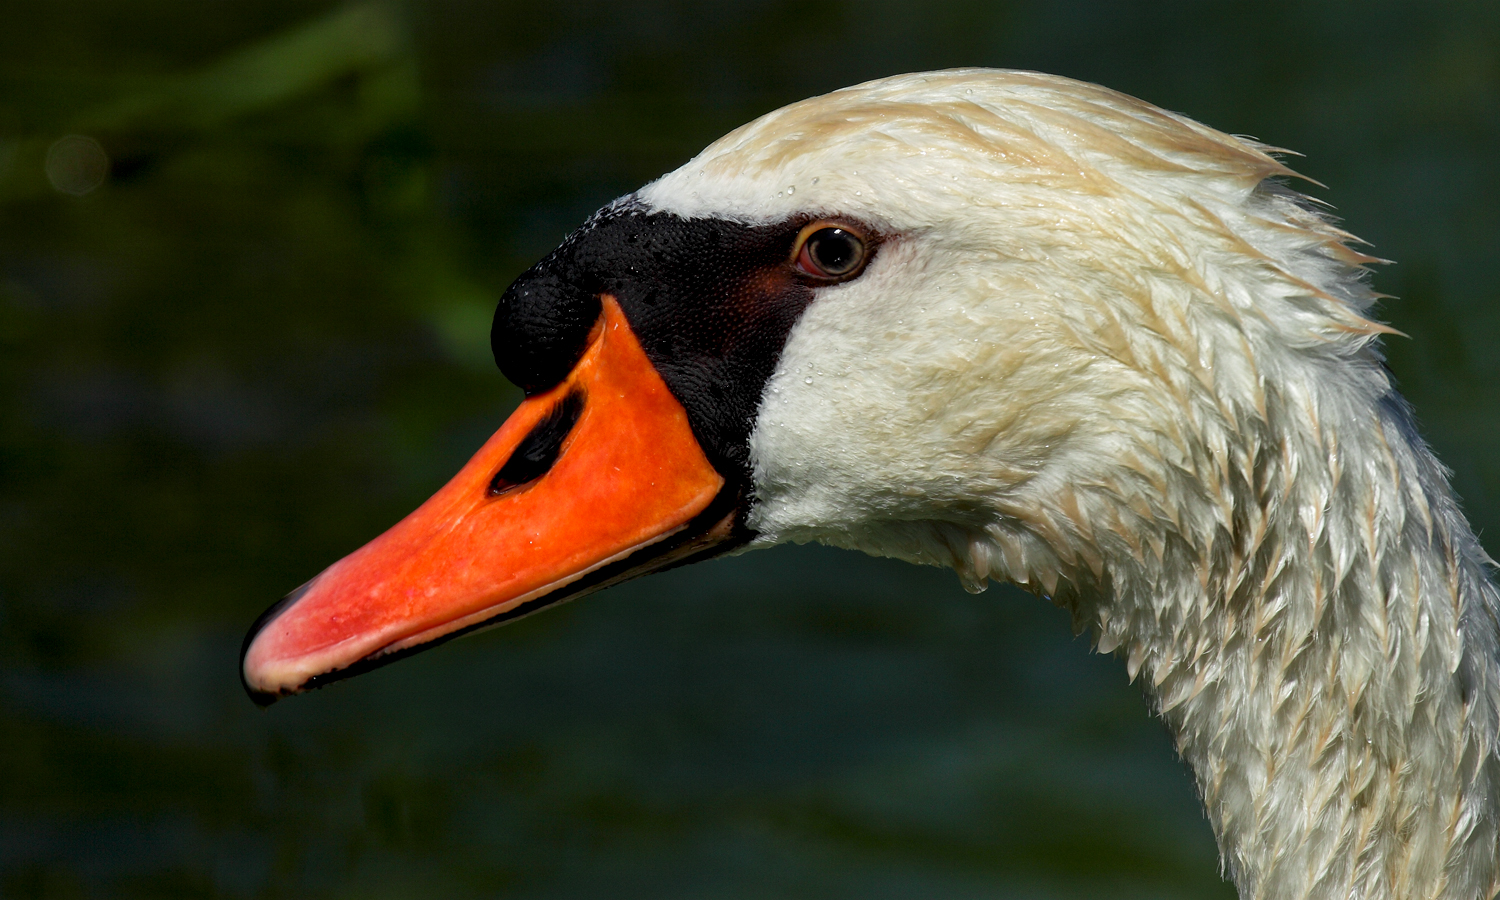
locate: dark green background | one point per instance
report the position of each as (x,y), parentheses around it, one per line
(263,340)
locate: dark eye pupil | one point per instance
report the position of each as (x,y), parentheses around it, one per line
(834,250)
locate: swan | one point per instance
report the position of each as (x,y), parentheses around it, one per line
(1036,331)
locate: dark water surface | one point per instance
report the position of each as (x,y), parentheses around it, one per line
(244,315)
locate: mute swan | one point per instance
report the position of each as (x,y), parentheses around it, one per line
(1037,331)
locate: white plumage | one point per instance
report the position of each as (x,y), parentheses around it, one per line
(1107,354)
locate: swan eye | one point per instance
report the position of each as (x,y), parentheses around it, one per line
(830,251)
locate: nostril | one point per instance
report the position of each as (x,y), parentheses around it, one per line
(539,449)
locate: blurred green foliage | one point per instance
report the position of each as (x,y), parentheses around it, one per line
(262,337)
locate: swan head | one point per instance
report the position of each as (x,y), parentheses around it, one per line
(999,321)
(1074,308)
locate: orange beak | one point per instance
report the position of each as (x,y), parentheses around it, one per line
(597,480)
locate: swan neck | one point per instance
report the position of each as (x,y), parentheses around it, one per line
(1320,636)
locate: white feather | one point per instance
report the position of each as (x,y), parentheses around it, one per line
(1103,354)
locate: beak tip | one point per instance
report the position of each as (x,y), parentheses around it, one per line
(253,681)
(255,685)
(252,684)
